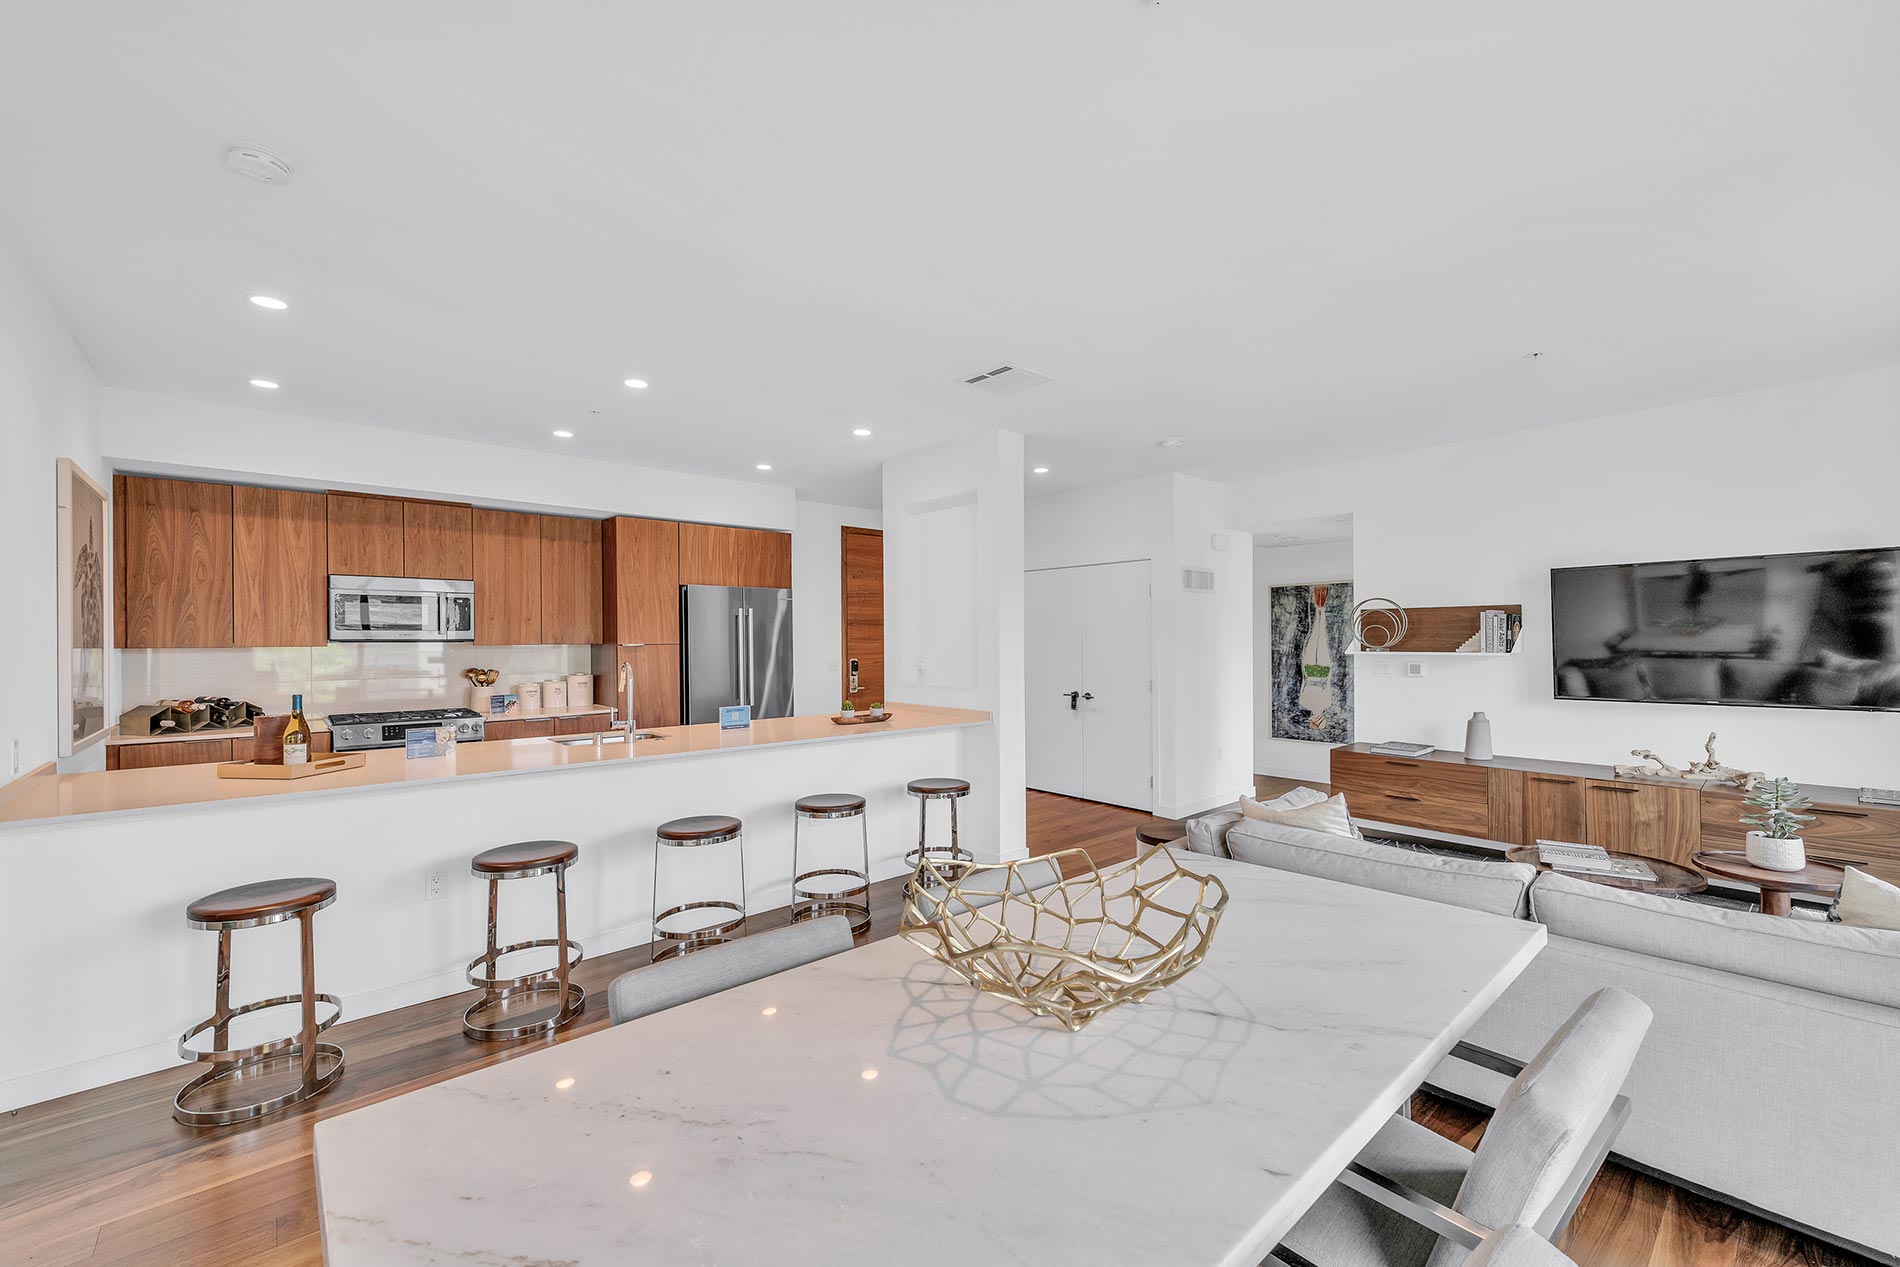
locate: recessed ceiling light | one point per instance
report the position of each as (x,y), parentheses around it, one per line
(1041,470)
(265,383)
(640,1178)
(638,384)
(861,431)
(763,466)
(564,435)
(266,301)
(869,1075)
(564,1084)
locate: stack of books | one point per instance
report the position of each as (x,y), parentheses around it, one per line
(1593,860)
(1399,748)
(1498,630)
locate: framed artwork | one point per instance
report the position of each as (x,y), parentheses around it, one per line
(81,545)
(1307,637)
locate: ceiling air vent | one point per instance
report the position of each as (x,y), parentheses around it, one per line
(1006,380)
(1198,580)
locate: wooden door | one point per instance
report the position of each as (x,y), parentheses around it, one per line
(640,580)
(570,579)
(437,541)
(1660,822)
(173,546)
(711,555)
(862,575)
(1554,808)
(507,557)
(279,561)
(366,535)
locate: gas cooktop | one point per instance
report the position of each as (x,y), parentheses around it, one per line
(353,732)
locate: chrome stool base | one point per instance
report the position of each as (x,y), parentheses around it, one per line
(668,944)
(573,999)
(322,1074)
(818,903)
(948,860)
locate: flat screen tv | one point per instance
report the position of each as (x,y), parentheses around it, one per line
(1815,630)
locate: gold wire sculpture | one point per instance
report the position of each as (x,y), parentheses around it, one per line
(1072,949)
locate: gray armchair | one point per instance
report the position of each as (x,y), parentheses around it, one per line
(672,982)
(1413,1198)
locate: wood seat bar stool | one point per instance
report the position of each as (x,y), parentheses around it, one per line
(697,832)
(948,859)
(523,861)
(848,891)
(204,1101)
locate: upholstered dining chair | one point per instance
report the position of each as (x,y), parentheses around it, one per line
(1416,1199)
(672,982)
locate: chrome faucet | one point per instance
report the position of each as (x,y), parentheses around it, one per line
(627,721)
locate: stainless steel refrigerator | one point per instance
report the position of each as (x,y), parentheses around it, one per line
(735,648)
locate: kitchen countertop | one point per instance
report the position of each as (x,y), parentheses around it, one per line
(46,796)
(118,738)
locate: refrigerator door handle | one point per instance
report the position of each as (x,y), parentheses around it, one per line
(751,666)
(739,665)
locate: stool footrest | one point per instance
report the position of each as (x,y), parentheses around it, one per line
(329,1067)
(574,956)
(256,1051)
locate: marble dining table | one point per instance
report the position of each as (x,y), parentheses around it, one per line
(872,1108)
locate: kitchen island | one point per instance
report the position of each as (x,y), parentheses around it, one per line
(118,974)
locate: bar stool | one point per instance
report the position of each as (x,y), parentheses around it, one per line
(696,832)
(318,1064)
(947,860)
(523,861)
(853,900)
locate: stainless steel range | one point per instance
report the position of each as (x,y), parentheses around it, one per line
(353,732)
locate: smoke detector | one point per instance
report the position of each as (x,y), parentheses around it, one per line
(1006,380)
(254,162)
(1172,442)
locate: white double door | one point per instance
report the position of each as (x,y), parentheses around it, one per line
(1087,672)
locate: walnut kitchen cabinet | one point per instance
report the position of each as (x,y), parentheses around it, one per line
(570,580)
(640,580)
(438,541)
(366,535)
(279,568)
(538,728)
(711,555)
(507,566)
(172,555)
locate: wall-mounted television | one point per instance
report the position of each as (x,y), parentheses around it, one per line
(1817,630)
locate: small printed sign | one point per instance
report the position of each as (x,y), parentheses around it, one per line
(735,716)
(504,703)
(427,741)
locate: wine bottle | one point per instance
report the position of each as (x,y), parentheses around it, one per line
(296,734)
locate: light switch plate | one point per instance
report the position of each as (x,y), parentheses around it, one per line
(1382,668)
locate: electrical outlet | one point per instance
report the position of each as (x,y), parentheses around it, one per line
(436,887)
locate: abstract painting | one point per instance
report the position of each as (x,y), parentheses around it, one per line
(1312,674)
(81,543)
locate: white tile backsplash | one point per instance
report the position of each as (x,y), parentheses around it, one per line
(342,677)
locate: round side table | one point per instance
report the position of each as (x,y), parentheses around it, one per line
(1777,887)
(1160,831)
(1672,879)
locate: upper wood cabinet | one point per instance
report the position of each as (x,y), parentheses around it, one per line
(366,535)
(437,541)
(507,558)
(280,585)
(570,580)
(640,580)
(735,556)
(172,548)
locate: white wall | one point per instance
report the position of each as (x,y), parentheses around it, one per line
(49,409)
(953,613)
(1803,467)
(1203,662)
(817,601)
(1287,565)
(168,435)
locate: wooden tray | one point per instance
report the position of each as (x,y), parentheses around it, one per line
(325,764)
(861,721)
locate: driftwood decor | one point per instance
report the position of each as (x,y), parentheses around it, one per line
(1707,770)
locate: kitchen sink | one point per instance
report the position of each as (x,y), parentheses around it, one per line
(604,737)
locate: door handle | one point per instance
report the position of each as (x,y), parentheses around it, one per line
(1087,695)
(854,675)
(1073,697)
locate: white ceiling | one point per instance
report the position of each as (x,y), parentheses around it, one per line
(1285,231)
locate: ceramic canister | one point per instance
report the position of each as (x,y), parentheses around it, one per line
(528,695)
(580,690)
(554,693)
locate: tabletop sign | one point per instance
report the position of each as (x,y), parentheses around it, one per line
(735,716)
(427,741)
(503,703)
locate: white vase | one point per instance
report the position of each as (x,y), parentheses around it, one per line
(1772,853)
(1478,738)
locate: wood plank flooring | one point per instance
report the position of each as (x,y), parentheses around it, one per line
(107,1179)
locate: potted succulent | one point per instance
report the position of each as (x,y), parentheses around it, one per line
(876,709)
(1776,844)
(846,711)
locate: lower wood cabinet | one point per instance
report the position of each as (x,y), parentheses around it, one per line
(587,724)
(1433,795)
(536,728)
(1662,822)
(171,752)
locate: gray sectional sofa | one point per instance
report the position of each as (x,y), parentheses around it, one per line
(1771,1075)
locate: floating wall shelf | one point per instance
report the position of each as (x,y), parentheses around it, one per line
(1440,631)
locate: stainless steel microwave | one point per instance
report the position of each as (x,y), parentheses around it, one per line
(401,609)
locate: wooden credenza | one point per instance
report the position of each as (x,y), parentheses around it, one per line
(1518,801)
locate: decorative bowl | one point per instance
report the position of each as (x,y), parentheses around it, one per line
(1070,948)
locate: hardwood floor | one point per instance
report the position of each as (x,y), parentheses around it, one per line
(107,1179)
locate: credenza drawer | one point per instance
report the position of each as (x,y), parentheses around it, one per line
(1436,796)
(1864,833)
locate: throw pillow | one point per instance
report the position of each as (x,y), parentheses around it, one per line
(1327,815)
(1298,798)
(1868,901)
